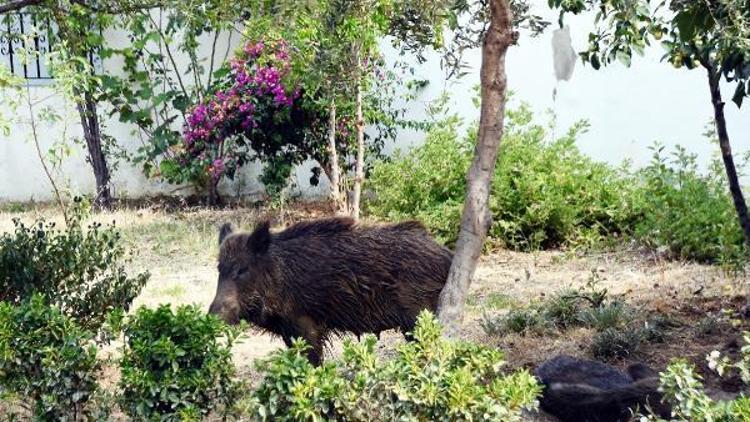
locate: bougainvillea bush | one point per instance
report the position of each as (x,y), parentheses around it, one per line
(257,112)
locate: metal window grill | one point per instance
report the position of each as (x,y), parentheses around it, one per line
(25,56)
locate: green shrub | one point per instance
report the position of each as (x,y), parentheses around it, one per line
(684,390)
(686,213)
(47,361)
(520,321)
(710,324)
(429,379)
(427,183)
(615,343)
(611,315)
(545,193)
(175,366)
(563,309)
(81,271)
(293,389)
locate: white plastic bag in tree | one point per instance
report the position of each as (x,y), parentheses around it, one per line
(564,56)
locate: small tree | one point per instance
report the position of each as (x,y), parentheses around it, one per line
(158,90)
(712,35)
(492,25)
(338,66)
(476,217)
(79,34)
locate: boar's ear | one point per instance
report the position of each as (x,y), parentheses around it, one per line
(226,230)
(259,241)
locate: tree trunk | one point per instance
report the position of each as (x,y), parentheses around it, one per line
(87,111)
(333,158)
(476,217)
(92,134)
(359,172)
(726,151)
(213,198)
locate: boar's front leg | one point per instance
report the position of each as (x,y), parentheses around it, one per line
(315,354)
(315,336)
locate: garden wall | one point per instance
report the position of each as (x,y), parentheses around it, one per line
(628,110)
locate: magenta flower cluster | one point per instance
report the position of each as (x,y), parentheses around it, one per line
(258,78)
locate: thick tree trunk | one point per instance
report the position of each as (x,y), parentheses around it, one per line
(333,158)
(726,152)
(87,111)
(476,218)
(359,172)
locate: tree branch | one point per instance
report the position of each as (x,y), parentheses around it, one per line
(17,5)
(109,7)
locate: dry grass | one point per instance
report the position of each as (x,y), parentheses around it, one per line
(178,247)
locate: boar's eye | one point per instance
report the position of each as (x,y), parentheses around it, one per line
(242,270)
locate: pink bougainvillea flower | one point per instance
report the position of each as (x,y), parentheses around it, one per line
(260,76)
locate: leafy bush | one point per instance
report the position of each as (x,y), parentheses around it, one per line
(684,390)
(688,214)
(429,379)
(545,193)
(81,271)
(174,366)
(611,315)
(427,183)
(47,358)
(520,321)
(563,308)
(615,343)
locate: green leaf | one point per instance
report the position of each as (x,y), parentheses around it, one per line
(169,168)
(686,22)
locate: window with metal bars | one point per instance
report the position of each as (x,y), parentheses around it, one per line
(24,44)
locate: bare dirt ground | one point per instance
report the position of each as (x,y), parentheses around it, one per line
(178,247)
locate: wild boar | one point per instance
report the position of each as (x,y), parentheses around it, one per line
(329,276)
(577,390)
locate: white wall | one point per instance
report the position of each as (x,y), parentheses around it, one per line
(628,109)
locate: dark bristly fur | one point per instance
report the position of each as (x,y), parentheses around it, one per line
(329,276)
(577,390)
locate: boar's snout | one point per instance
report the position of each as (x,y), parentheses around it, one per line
(227,310)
